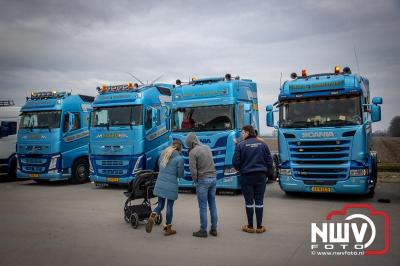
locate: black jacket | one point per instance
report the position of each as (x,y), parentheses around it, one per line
(252,157)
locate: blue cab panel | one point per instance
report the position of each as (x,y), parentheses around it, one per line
(215,109)
(128,130)
(53,137)
(324,134)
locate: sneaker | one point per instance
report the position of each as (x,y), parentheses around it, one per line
(200,233)
(213,232)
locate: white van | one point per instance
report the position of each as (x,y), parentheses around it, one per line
(9,121)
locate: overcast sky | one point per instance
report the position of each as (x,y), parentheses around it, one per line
(81,44)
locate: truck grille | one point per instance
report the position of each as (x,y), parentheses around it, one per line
(320,159)
(218,157)
(113,171)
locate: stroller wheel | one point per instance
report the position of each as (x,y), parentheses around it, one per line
(159,219)
(127,216)
(134,220)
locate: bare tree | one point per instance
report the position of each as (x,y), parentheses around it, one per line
(394,127)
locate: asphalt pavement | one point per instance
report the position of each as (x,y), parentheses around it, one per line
(63,224)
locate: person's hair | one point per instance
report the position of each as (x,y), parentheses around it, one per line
(176,146)
(250,129)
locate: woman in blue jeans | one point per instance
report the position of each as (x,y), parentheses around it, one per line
(166,188)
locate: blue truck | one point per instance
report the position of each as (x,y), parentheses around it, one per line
(53,137)
(215,109)
(128,130)
(324,133)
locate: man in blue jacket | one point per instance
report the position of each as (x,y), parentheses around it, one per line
(252,159)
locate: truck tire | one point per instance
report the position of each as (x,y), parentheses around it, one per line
(12,171)
(273,173)
(80,171)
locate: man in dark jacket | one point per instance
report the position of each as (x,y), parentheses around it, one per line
(252,159)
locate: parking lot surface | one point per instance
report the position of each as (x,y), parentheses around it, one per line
(63,224)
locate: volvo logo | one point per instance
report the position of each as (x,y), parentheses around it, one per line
(328,134)
(205,141)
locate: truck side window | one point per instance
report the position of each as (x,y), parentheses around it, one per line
(149,121)
(158,117)
(77,122)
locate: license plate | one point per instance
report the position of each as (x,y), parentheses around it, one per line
(321,189)
(112,179)
(33,175)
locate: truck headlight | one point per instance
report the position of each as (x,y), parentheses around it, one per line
(53,162)
(285,171)
(359,172)
(230,171)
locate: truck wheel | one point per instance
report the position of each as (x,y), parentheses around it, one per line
(80,171)
(12,171)
(273,173)
(371,193)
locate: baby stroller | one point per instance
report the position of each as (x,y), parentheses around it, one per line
(140,187)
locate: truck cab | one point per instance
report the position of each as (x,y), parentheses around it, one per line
(128,130)
(324,133)
(9,119)
(53,137)
(215,109)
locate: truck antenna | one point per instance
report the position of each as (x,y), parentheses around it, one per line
(280,81)
(156,80)
(138,80)
(355,55)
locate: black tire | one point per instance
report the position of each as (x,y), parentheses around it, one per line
(134,219)
(371,193)
(12,171)
(273,175)
(159,219)
(127,216)
(80,171)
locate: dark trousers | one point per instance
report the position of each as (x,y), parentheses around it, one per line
(253,188)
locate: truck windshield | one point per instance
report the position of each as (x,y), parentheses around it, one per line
(203,118)
(320,112)
(117,116)
(40,119)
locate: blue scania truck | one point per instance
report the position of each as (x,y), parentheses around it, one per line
(324,133)
(215,109)
(128,130)
(53,137)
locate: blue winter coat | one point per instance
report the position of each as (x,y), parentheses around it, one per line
(167,180)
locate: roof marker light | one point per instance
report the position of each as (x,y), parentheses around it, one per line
(304,73)
(337,70)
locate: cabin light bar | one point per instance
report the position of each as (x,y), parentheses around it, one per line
(46,95)
(118,88)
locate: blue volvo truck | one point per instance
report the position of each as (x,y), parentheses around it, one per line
(53,137)
(215,109)
(128,130)
(324,133)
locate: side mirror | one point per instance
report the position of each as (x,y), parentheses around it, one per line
(375,113)
(270,119)
(71,121)
(269,108)
(377,100)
